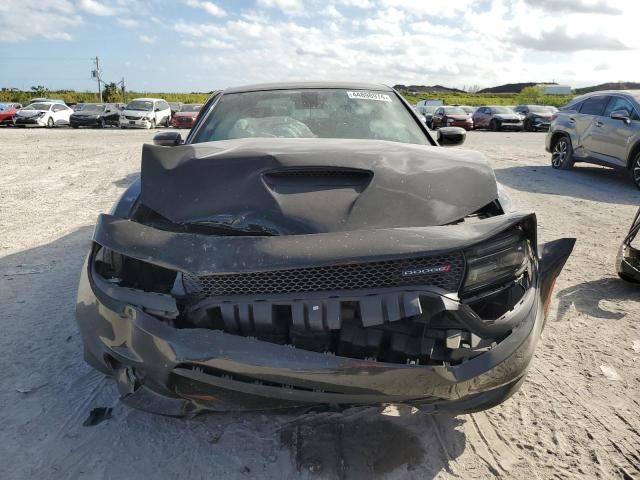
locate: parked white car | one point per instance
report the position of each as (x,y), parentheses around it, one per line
(44,114)
(146,113)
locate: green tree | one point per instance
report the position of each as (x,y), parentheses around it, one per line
(110,93)
(532,95)
(39,91)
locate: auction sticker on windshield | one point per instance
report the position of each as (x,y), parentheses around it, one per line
(380,97)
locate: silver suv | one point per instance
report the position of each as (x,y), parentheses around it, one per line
(599,127)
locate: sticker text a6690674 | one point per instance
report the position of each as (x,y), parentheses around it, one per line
(380,97)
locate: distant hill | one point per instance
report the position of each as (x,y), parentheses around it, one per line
(513,87)
(427,89)
(610,86)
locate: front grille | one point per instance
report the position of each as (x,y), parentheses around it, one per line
(443,271)
(132,118)
(510,120)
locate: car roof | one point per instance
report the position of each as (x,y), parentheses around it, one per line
(304,85)
(144,99)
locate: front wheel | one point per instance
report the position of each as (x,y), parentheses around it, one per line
(562,154)
(527,126)
(73,125)
(50,123)
(168,122)
(494,126)
(635,170)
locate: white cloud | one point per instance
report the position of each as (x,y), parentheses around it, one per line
(17,15)
(94,7)
(466,42)
(209,7)
(290,7)
(148,39)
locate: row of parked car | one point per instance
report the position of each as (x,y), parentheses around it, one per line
(492,117)
(138,113)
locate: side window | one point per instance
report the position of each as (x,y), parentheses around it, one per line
(57,108)
(164,105)
(439,111)
(594,105)
(619,103)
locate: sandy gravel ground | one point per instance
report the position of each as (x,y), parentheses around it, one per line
(569,420)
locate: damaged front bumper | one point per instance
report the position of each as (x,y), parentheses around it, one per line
(628,258)
(227,349)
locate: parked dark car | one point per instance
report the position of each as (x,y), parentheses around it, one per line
(628,258)
(427,111)
(95,115)
(451,117)
(175,107)
(536,117)
(601,128)
(186,117)
(497,118)
(309,244)
(8,112)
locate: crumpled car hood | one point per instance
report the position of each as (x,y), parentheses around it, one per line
(302,186)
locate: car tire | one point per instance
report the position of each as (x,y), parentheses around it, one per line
(527,126)
(635,170)
(73,125)
(494,126)
(50,123)
(152,125)
(562,154)
(101,124)
(167,122)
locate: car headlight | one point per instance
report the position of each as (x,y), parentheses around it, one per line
(496,262)
(40,114)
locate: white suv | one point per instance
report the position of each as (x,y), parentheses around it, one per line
(145,113)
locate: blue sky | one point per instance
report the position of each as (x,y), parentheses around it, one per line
(201,45)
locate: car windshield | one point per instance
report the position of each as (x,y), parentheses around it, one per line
(191,108)
(92,108)
(429,109)
(454,111)
(312,113)
(4,106)
(37,106)
(141,105)
(538,109)
(502,110)
(469,109)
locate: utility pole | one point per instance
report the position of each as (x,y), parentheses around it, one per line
(124,94)
(96,74)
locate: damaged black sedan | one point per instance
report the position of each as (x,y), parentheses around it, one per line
(312,244)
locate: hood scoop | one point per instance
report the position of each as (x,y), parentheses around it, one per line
(303,186)
(291,180)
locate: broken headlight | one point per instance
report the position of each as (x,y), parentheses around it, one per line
(497,261)
(132,273)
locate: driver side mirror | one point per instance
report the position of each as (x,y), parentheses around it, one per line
(167,139)
(451,136)
(621,115)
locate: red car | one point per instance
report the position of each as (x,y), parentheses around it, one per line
(186,117)
(7,112)
(451,117)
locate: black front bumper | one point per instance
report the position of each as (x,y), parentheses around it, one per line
(176,371)
(85,122)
